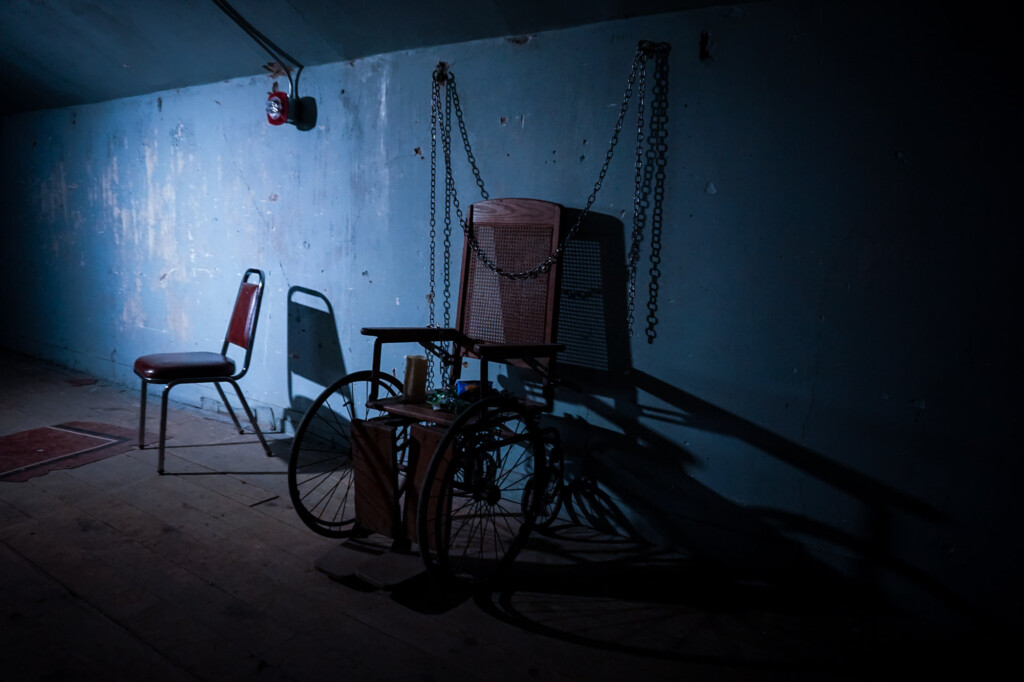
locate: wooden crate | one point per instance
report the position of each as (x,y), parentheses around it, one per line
(423,442)
(376,450)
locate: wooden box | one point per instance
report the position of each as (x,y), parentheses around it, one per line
(376,449)
(423,442)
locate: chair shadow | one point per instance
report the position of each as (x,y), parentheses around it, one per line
(314,349)
(280,449)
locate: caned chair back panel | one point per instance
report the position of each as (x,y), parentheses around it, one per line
(516,235)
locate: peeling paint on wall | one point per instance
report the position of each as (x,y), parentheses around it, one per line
(133,313)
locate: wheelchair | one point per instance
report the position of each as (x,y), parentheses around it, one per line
(466,477)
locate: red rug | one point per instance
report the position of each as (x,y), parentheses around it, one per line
(65,446)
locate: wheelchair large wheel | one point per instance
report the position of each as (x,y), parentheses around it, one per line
(320,465)
(472,518)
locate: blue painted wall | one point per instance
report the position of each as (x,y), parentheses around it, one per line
(834,382)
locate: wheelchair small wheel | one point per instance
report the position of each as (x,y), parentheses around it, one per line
(320,464)
(475,513)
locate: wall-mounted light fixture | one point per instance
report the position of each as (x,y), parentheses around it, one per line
(281,107)
(278,109)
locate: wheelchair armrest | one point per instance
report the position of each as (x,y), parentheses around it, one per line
(410,334)
(511,351)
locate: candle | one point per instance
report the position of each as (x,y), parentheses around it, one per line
(415,388)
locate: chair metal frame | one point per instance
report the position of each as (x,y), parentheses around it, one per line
(173,369)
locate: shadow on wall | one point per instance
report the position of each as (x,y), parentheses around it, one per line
(631,479)
(593,298)
(314,350)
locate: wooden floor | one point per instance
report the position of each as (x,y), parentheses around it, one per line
(109,571)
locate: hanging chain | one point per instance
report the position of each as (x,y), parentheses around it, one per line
(638,59)
(465,140)
(641,193)
(435,98)
(450,196)
(639,200)
(441,122)
(649,181)
(659,147)
(435,94)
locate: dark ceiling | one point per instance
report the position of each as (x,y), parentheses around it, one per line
(57,53)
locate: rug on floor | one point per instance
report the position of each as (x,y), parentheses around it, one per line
(38,451)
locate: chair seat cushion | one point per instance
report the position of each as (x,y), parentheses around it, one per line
(164,367)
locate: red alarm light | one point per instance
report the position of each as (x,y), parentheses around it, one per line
(277,108)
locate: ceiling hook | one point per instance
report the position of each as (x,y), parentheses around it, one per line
(441,73)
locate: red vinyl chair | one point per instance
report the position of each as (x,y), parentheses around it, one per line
(171,369)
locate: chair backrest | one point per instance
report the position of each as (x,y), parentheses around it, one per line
(245,315)
(515,235)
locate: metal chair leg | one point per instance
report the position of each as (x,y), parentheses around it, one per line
(142,418)
(231,412)
(252,419)
(163,429)
(163,419)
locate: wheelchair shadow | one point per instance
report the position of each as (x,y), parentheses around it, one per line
(621,594)
(646,558)
(659,604)
(627,478)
